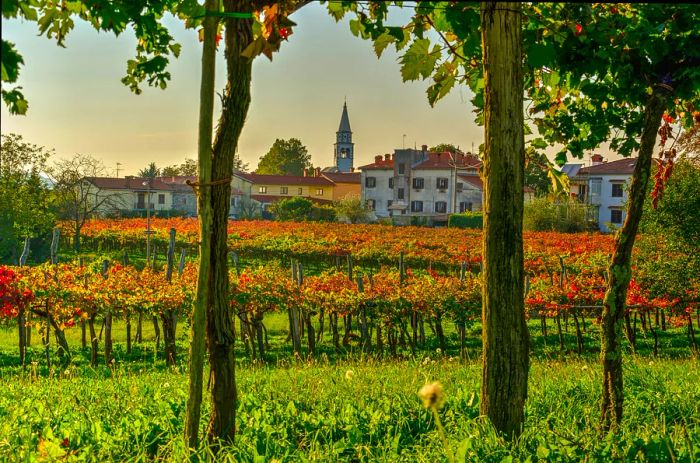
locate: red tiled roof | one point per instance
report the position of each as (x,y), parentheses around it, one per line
(473,180)
(383,164)
(435,160)
(274,198)
(446,160)
(342,177)
(621,166)
(127,183)
(284,179)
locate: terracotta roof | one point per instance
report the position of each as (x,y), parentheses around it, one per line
(127,183)
(435,160)
(383,164)
(274,198)
(621,166)
(446,159)
(178,182)
(473,180)
(342,177)
(263,179)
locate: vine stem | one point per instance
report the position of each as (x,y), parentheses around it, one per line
(443,436)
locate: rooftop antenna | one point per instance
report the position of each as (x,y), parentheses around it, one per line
(118,164)
(404,141)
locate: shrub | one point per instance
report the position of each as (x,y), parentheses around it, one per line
(568,216)
(466,220)
(322,214)
(353,210)
(295,209)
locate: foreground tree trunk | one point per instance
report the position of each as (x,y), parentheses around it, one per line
(197,330)
(620,272)
(505,335)
(220,327)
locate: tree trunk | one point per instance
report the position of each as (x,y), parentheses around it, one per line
(22,336)
(156,329)
(220,328)
(139,329)
(168,319)
(93,341)
(620,272)
(204,212)
(108,337)
(505,334)
(128,333)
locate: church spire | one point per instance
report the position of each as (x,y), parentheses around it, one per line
(344,120)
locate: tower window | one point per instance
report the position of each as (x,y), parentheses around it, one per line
(402,168)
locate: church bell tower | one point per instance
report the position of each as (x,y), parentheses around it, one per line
(344,147)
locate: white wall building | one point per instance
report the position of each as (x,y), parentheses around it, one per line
(604,186)
(419,183)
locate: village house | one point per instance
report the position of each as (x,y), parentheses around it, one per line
(419,183)
(114,195)
(603,186)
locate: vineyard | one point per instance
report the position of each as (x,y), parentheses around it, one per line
(351,287)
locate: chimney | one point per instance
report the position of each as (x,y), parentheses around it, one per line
(387,157)
(306,173)
(596,159)
(352,169)
(318,172)
(378,158)
(424,148)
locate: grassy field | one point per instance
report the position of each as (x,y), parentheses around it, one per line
(344,406)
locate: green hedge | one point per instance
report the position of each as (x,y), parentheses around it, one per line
(466,220)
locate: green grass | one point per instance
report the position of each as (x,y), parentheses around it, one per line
(311,410)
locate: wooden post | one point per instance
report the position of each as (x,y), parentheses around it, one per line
(181,265)
(108,321)
(234,260)
(365,341)
(54,245)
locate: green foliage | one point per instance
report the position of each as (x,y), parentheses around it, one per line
(55,20)
(189,167)
(25,199)
(678,213)
(466,220)
(285,157)
(536,169)
(151,171)
(352,210)
(566,215)
(442,147)
(323,213)
(295,209)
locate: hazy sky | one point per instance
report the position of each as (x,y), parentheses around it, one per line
(78,104)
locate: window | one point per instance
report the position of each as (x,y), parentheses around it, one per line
(399,193)
(595,187)
(371,203)
(418,183)
(402,168)
(343,153)
(617,190)
(389,203)
(460,186)
(300,191)
(262,189)
(441,207)
(465,206)
(319,191)
(370,182)
(416,206)
(442,183)
(391,182)
(616,216)
(161,199)
(284,190)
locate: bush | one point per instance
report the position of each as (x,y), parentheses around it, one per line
(466,220)
(353,210)
(296,209)
(568,216)
(323,214)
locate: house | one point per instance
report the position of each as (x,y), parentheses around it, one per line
(113,195)
(346,184)
(419,183)
(184,198)
(265,189)
(603,185)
